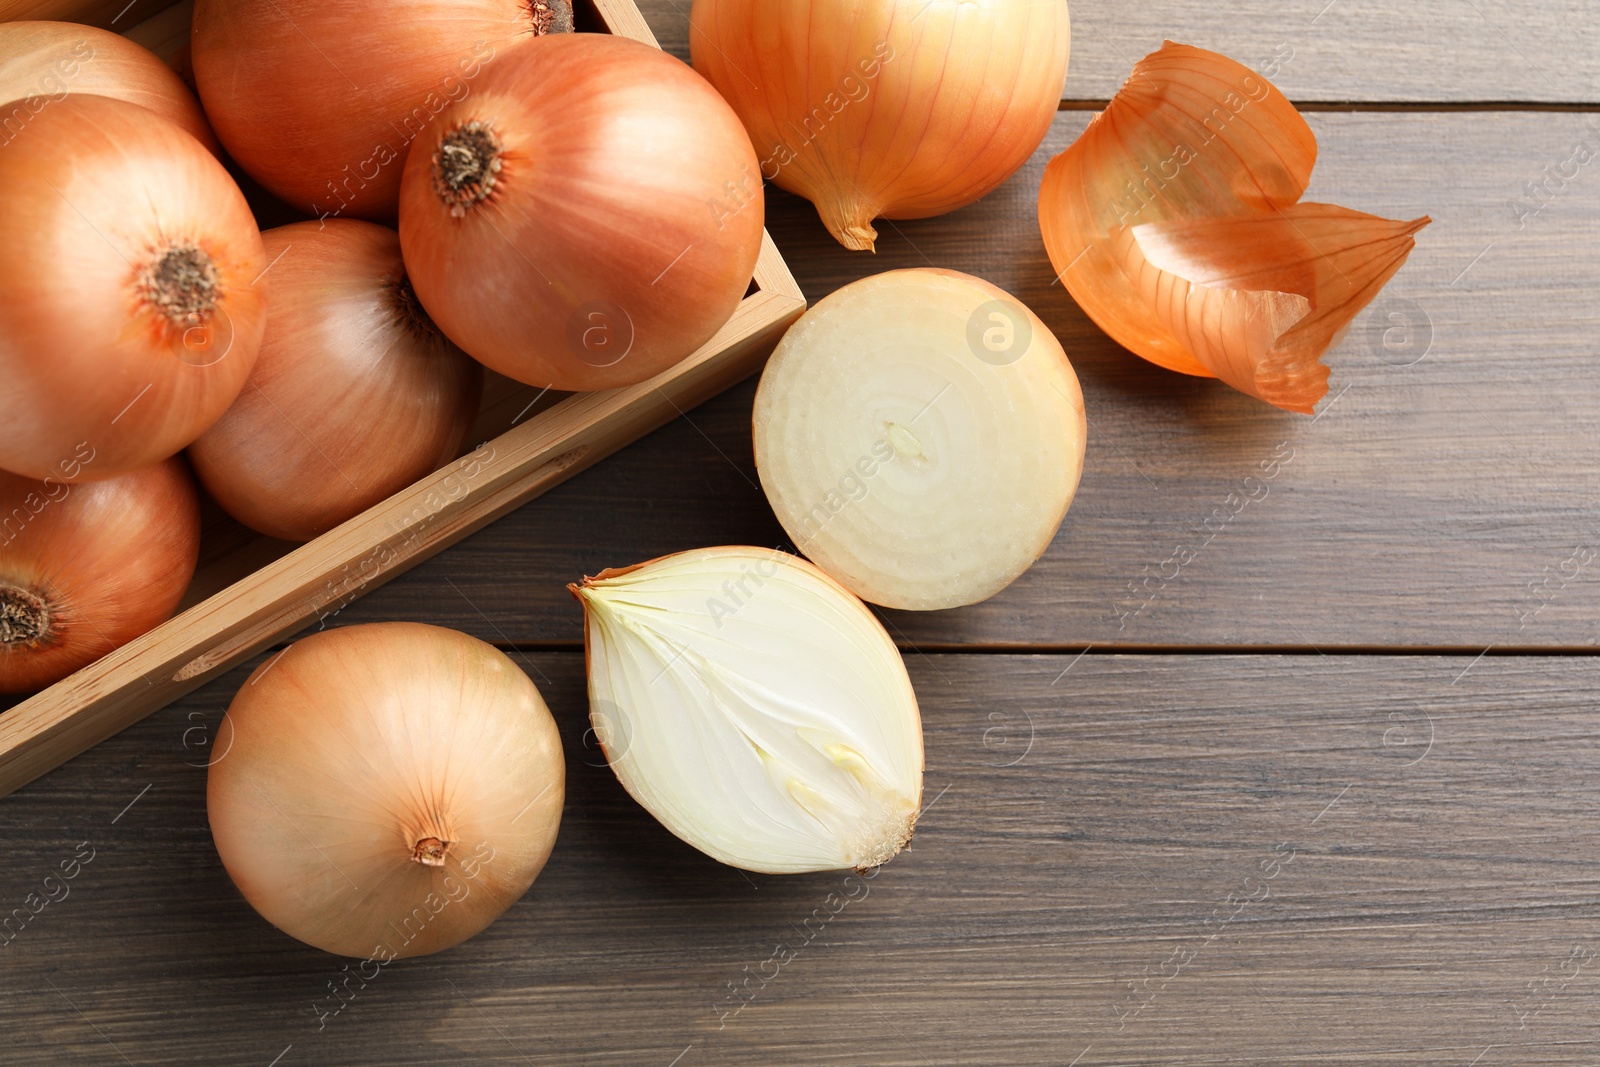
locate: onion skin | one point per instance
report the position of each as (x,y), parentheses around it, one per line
(626,207)
(109,560)
(110,331)
(319,99)
(900,109)
(385,790)
(1176,223)
(41,61)
(355,394)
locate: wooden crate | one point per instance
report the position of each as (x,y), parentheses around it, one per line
(251,591)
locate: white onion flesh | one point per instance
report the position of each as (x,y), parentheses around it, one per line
(755,708)
(920,435)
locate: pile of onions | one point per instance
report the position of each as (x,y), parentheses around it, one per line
(1175,221)
(355,394)
(894,108)
(385,790)
(920,435)
(587,218)
(131,298)
(86,568)
(320,99)
(40,62)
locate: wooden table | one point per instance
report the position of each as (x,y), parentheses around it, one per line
(1330,794)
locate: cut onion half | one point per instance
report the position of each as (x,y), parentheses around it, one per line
(920,435)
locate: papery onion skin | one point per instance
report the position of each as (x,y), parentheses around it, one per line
(614,227)
(899,109)
(42,61)
(132,300)
(755,707)
(1199,153)
(320,99)
(354,396)
(84,569)
(918,468)
(385,790)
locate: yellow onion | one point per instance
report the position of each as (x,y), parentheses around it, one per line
(86,568)
(132,300)
(587,218)
(354,396)
(1175,222)
(40,62)
(385,790)
(898,109)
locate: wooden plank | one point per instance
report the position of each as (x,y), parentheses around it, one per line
(1415,511)
(1153,860)
(1314,50)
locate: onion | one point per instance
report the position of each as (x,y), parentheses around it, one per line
(130,313)
(1175,221)
(319,99)
(756,708)
(920,435)
(355,394)
(385,790)
(588,217)
(87,568)
(894,108)
(41,62)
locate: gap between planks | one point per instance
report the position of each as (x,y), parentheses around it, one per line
(1374,651)
(1417,106)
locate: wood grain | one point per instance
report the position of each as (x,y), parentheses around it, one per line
(1362,51)
(1452,465)
(1068,893)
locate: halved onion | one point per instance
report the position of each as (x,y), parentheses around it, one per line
(84,569)
(755,707)
(132,300)
(40,62)
(385,790)
(355,395)
(920,435)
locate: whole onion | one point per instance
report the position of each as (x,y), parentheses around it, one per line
(385,790)
(588,217)
(84,569)
(40,62)
(894,108)
(320,99)
(132,296)
(355,395)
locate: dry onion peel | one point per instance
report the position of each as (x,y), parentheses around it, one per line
(920,435)
(895,108)
(756,708)
(1175,222)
